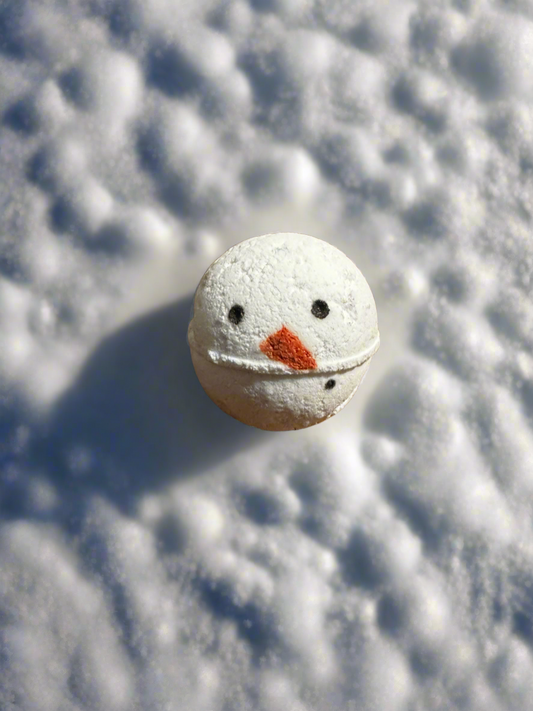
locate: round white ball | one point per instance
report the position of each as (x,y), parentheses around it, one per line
(283,331)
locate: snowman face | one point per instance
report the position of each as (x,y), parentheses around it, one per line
(283,330)
(285,303)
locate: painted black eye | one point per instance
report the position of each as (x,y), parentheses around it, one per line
(236,314)
(320,309)
(330,384)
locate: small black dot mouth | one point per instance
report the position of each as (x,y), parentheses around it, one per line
(330,384)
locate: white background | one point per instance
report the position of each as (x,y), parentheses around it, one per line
(154,553)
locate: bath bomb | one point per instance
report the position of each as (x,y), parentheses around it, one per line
(283,330)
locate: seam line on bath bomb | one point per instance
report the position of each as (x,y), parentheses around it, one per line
(270,367)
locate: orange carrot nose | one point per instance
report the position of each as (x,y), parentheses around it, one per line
(288,349)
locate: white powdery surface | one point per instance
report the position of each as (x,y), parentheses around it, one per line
(154,553)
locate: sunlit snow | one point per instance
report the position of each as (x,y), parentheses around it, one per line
(156,555)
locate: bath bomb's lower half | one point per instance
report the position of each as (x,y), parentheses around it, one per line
(277,402)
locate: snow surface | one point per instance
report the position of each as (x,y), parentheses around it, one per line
(154,553)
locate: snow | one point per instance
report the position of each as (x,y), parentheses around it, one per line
(154,553)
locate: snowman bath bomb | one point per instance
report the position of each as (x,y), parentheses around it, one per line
(283,330)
